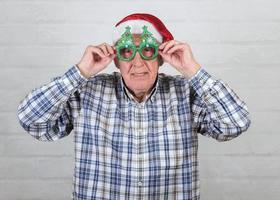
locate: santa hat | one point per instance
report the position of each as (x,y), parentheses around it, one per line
(137,21)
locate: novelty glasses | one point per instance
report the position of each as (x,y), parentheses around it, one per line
(126,49)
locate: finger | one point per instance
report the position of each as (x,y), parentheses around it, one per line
(165,57)
(112,56)
(97,51)
(175,48)
(163,45)
(163,54)
(104,49)
(114,49)
(169,45)
(110,49)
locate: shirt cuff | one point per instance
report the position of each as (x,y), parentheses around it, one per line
(73,78)
(201,81)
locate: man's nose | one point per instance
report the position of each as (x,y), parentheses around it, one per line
(137,60)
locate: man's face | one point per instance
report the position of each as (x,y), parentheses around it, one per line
(139,75)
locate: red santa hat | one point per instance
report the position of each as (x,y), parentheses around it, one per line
(136,21)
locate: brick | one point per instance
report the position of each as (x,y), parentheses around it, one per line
(240,189)
(23,145)
(36,167)
(33,189)
(248,144)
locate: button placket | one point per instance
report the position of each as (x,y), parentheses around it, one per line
(140,143)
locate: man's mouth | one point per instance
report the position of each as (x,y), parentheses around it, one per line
(140,74)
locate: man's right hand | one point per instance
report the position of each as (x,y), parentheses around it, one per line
(95,59)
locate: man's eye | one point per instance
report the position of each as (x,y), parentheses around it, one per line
(148,49)
(126,52)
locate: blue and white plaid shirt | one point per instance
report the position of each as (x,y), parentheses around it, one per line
(130,150)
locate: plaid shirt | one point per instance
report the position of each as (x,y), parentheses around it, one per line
(130,150)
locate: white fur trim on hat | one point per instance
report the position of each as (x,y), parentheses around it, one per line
(136,27)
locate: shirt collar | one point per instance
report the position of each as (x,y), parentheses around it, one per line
(130,96)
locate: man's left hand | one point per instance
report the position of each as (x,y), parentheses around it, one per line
(180,56)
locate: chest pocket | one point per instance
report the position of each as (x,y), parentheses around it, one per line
(168,142)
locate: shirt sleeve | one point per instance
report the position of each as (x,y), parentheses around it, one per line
(47,112)
(216,110)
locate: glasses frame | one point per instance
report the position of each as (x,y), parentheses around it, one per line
(138,49)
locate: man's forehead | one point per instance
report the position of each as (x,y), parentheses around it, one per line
(136,38)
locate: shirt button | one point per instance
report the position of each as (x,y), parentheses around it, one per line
(140,183)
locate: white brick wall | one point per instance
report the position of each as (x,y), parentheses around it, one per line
(235,40)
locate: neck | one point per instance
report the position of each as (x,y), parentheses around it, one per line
(140,96)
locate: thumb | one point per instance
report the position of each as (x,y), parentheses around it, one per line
(164,56)
(109,59)
(112,56)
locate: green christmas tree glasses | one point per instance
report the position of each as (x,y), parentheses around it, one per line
(126,49)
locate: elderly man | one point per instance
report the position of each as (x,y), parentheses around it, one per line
(135,132)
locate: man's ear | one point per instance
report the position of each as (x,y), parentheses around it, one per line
(160,60)
(116,61)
